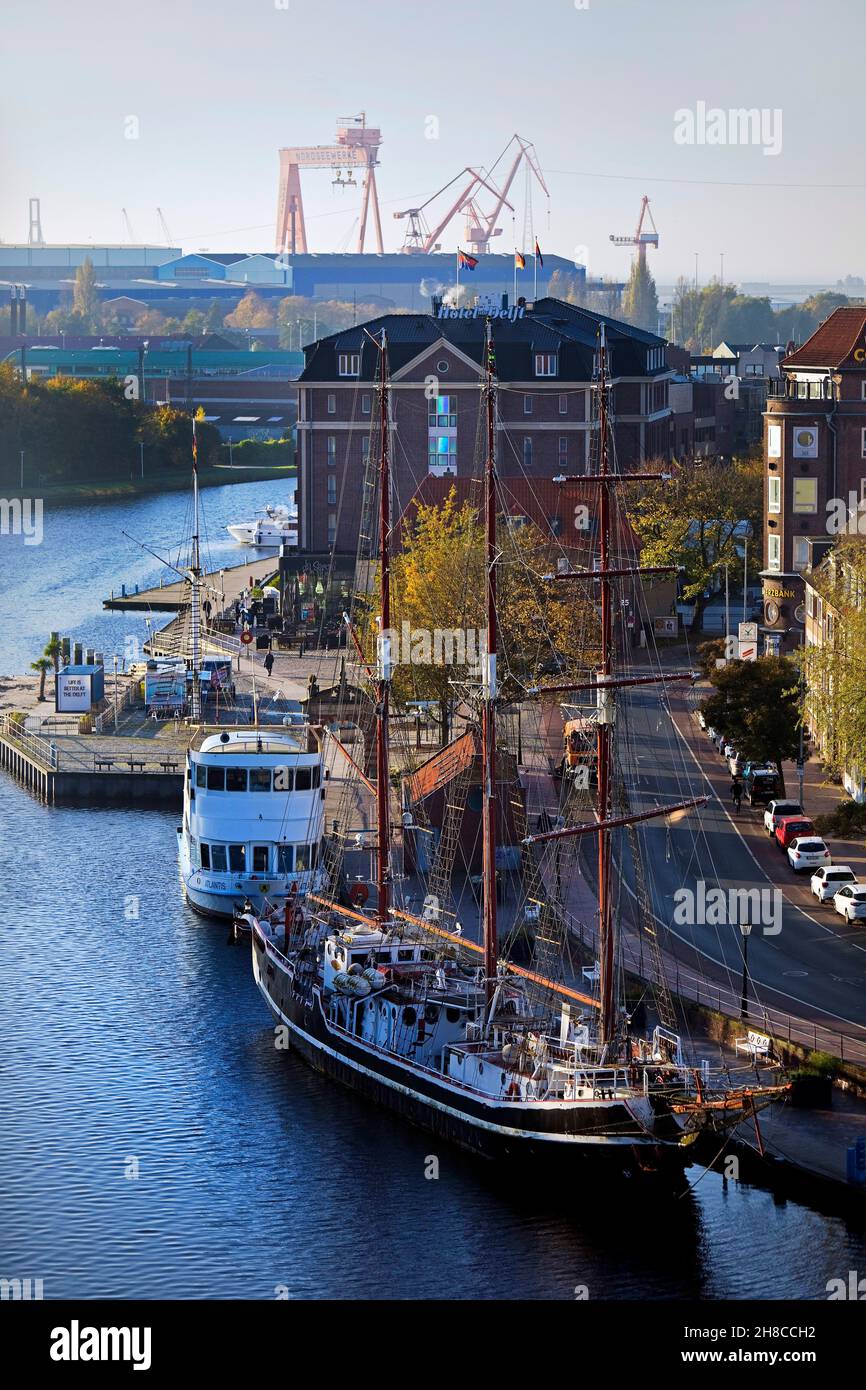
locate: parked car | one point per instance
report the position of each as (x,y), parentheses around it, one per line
(751,766)
(776,810)
(761,787)
(701,720)
(735,763)
(728,750)
(791,828)
(826,883)
(808,852)
(850,901)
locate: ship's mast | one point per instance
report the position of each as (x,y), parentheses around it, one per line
(195,595)
(605,704)
(488,692)
(383,682)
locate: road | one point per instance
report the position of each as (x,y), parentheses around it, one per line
(814,965)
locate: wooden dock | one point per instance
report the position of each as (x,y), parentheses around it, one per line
(168,598)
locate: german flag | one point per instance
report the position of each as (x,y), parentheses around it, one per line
(465,261)
(520,260)
(538,255)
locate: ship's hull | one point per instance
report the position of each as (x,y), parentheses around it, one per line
(617,1135)
(263,536)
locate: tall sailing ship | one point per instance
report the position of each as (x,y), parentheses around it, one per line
(503,1055)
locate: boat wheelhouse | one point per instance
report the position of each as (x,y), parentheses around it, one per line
(253,817)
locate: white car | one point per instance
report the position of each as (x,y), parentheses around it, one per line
(701,720)
(826,883)
(728,751)
(850,901)
(808,852)
(735,764)
(776,810)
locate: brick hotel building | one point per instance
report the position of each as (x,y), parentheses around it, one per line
(545,357)
(815,465)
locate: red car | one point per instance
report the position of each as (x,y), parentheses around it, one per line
(789,827)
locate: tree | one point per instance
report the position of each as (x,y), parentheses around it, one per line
(438,588)
(640,304)
(53,650)
(85,295)
(835,672)
(252,312)
(43,666)
(757,704)
(695,521)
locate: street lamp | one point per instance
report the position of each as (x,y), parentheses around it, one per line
(745,928)
(142,349)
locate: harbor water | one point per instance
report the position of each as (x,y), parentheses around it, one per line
(156,1142)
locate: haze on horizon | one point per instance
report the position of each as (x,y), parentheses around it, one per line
(217,88)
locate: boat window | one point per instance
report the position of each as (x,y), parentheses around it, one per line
(201,775)
(383,957)
(216,779)
(218,858)
(205,855)
(284,779)
(317,776)
(261,857)
(302,856)
(237,858)
(285,858)
(236,779)
(304,779)
(260,779)
(406,953)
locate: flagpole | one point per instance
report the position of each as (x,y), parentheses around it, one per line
(457,305)
(515,278)
(535,274)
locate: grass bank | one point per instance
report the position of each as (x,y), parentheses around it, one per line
(106,490)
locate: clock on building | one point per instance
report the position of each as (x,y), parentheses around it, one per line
(772,612)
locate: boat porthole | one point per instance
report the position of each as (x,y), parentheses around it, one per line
(452,1014)
(409,1016)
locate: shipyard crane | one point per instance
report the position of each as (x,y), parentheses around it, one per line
(162,222)
(479,235)
(128,225)
(356,146)
(640,239)
(419,239)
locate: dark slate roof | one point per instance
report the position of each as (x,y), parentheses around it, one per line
(550,326)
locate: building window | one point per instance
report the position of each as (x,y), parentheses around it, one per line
(863,443)
(810,603)
(800,558)
(332,404)
(365,405)
(754,369)
(774,494)
(527,405)
(332,527)
(365,448)
(805,495)
(774,441)
(332,450)
(545,364)
(527,452)
(563,448)
(332,490)
(563,405)
(442,454)
(348,363)
(555,524)
(442,414)
(774,553)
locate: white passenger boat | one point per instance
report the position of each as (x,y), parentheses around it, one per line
(275,526)
(253,817)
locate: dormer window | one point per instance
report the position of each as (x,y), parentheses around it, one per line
(348,363)
(545,364)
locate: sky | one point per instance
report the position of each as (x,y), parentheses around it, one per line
(610,92)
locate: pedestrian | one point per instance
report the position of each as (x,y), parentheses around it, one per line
(269,662)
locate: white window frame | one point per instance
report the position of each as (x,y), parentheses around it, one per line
(774,553)
(863,443)
(348,364)
(546,364)
(332,403)
(332,489)
(331,448)
(801,543)
(563,404)
(527,404)
(332,528)
(774,493)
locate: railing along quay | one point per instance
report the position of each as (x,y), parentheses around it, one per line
(128,773)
